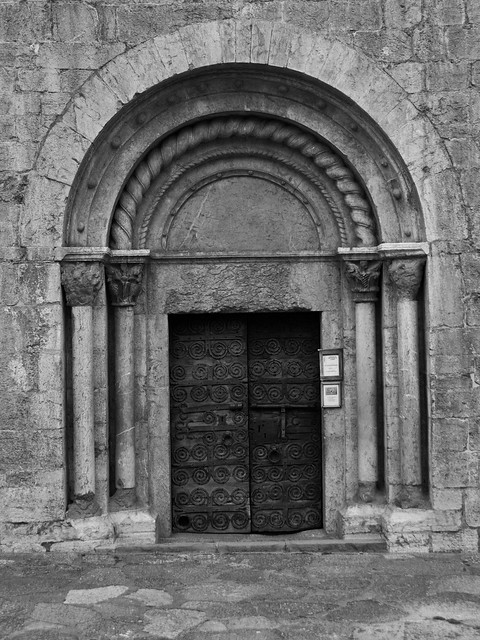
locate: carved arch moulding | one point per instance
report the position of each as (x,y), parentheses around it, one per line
(310,131)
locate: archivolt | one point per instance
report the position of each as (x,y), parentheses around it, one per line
(175,146)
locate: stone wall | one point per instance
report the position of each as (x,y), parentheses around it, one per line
(429,50)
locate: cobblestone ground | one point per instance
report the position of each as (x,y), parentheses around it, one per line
(260,596)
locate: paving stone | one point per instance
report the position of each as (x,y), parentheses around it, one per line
(62,614)
(152,597)
(212,626)
(170,624)
(460,584)
(92,596)
(439,630)
(225,591)
(389,631)
(251,622)
(48,632)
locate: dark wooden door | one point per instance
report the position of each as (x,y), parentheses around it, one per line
(284,422)
(245,423)
(209,416)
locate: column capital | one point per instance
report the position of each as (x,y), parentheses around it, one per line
(406,275)
(364,277)
(124,282)
(81,282)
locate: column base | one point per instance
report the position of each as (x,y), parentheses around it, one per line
(412,497)
(83,507)
(367,492)
(123,500)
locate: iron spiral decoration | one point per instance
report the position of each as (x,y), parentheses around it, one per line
(190,137)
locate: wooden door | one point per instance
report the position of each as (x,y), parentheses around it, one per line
(245,415)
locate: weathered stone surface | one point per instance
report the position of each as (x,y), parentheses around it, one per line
(67,71)
(174,622)
(93,596)
(152,597)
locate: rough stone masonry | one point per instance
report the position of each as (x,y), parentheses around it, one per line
(87,90)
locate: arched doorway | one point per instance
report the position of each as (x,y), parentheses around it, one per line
(238,191)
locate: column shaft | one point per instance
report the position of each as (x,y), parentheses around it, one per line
(406,275)
(124,398)
(409,387)
(364,276)
(366,394)
(83,406)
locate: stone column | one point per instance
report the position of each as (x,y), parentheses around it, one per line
(363,276)
(406,276)
(82,282)
(124,284)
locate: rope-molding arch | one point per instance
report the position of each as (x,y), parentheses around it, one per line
(190,137)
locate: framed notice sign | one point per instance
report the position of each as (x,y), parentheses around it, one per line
(331,364)
(331,394)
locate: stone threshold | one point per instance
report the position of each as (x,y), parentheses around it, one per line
(304,542)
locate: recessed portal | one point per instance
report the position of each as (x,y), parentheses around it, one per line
(246,422)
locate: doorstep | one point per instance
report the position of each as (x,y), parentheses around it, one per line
(315,541)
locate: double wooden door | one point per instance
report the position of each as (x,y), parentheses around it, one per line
(246,423)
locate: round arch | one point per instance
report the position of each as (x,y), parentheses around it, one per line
(123,84)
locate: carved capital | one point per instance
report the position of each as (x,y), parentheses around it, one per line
(406,276)
(124,282)
(81,282)
(364,277)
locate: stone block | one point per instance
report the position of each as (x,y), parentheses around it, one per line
(450,434)
(462,43)
(38,80)
(28,504)
(9,226)
(16,156)
(452,403)
(449,220)
(386,46)
(311,16)
(172,53)
(472,507)
(402,14)
(365,15)
(70,80)
(464,153)
(279,45)
(445,273)
(466,541)
(74,22)
(445,12)
(454,469)
(446,499)
(447,76)
(360,518)
(61,154)
(409,542)
(458,365)
(130,524)
(24,22)
(449,342)
(409,75)
(470,263)
(73,55)
(472,304)
(419,520)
